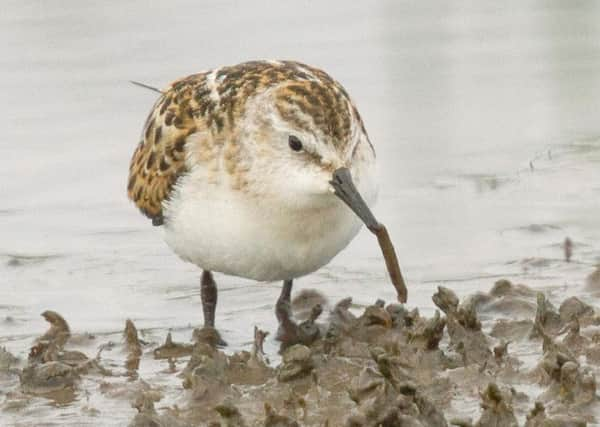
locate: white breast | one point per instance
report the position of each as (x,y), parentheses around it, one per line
(231,232)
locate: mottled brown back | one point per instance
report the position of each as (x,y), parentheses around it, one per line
(159,158)
(214,102)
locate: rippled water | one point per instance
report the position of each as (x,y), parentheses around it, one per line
(484,116)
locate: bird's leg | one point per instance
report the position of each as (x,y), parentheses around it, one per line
(288,330)
(282,308)
(208,294)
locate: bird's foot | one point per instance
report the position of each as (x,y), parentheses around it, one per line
(209,335)
(290,333)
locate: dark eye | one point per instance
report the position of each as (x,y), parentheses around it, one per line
(295,143)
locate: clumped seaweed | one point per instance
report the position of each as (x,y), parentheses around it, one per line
(382,365)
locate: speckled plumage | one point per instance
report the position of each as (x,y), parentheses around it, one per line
(197,118)
(261,170)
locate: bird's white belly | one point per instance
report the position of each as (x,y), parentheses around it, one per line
(230,232)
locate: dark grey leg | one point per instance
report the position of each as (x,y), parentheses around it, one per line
(283,306)
(288,330)
(208,293)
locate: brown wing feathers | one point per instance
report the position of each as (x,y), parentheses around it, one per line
(160,156)
(214,101)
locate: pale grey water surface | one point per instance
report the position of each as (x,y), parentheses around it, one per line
(485,117)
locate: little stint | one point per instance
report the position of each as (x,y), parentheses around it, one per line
(241,166)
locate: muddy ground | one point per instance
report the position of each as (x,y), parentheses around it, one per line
(505,357)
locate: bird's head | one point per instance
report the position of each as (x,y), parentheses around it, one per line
(308,144)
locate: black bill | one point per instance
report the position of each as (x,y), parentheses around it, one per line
(345,189)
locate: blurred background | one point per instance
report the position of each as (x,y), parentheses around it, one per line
(484,115)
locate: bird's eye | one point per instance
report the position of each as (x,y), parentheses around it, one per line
(295,143)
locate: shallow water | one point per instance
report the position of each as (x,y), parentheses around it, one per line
(485,120)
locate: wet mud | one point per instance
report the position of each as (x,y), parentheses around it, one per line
(506,357)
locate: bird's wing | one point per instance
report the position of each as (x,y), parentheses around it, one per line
(159,159)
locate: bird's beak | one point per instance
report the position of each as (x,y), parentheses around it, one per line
(344,188)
